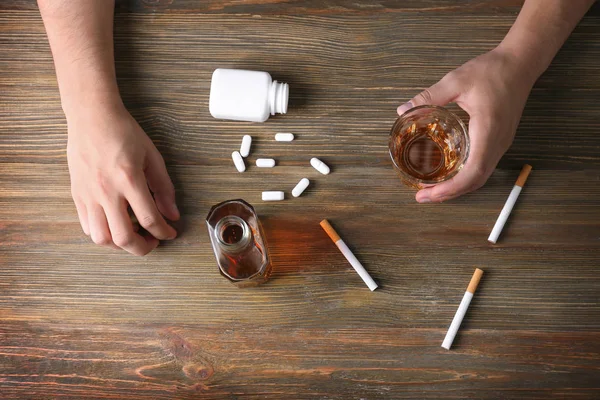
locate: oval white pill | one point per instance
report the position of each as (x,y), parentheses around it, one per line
(284,137)
(319,165)
(246,143)
(238,161)
(272,196)
(300,187)
(265,162)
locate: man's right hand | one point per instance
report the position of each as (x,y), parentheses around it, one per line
(114,165)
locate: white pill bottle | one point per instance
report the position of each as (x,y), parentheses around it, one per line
(243,95)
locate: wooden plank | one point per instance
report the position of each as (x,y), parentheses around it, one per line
(213,362)
(310,7)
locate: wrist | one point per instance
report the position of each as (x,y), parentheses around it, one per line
(525,64)
(82,102)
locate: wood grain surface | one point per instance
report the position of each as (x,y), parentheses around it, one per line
(81,321)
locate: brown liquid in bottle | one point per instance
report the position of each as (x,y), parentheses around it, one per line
(238,243)
(424,152)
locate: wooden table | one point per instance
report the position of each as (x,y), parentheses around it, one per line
(80,321)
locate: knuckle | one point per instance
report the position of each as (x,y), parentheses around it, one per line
(101,239)
(127,174)
(103,183)
(148,221)
(123,239)
(481,172)
(424,97)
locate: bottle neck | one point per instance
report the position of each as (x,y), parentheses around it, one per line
(278,97)
(233,234)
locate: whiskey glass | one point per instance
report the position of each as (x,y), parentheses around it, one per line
(428,145)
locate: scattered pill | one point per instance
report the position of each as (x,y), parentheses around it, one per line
(238,161)
(272,196)
(265,162)
(300,187)
(246,143)
(284,137)
(319,166)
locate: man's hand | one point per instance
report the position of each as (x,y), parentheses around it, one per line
(492,89)
(114,165)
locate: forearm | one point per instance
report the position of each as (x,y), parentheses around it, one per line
(81,39)
(541,29)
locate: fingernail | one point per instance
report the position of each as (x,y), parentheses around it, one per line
(404,108)
(424,200)
(174,208)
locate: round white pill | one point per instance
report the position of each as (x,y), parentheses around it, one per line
(246,143)
(238,161)
(284,137)
(300,187)
(272,196)
(265,162)
(319,165)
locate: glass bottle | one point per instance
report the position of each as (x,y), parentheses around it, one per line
(239,243)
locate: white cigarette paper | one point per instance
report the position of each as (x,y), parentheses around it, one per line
(462,309)
(360,270)
(510,203)
(458,317)
(508,206)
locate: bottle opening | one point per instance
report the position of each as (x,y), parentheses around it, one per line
(278,97)
(232,233)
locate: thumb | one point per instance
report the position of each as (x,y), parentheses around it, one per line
(161,186)
(440,94)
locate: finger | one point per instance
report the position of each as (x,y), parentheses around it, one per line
(161,186)
(443,92)
(83,216)
(467,180)
(122,230)
(144,208)
(98,226)
(474,174)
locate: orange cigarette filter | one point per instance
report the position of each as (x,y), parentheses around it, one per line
(475,280)
(330,231)
(523,175)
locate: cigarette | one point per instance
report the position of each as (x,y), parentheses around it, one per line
(462,309)
(510,202)
(360,270)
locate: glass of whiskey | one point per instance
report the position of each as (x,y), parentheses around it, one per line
(239,243)
(428,145)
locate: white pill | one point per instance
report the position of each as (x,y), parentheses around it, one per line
(265,162)
(319,166)
(300,187)
(245,148)
(284,137)
(272,196)
(238,161)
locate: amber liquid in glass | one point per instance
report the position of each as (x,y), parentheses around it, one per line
(424,152)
